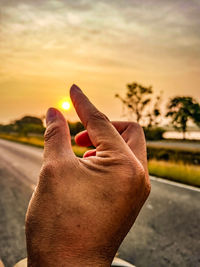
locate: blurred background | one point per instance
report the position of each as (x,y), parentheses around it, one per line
(136,61)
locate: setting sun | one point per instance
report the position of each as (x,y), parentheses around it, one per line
(66,105)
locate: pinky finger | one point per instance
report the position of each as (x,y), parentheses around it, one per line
(90,153)
(83,139)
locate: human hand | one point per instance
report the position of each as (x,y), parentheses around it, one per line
(83,208)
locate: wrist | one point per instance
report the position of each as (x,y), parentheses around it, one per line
(65,259)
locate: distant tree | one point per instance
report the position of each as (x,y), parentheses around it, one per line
(154,114)
(136,101)
(196,112)
(29,120)
(29,124)
(7,128)
(24,126)
(181,109)
(75,127)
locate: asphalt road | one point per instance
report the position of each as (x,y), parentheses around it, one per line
(166,233)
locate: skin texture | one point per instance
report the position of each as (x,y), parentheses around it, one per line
(83,208)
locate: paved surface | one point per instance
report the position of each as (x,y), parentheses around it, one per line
(166,232)
(19,168)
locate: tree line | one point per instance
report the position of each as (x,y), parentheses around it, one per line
(33,125)
(145,109)
(139,104)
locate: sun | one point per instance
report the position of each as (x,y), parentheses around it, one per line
(66,105)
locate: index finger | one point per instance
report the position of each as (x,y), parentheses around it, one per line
(100,130)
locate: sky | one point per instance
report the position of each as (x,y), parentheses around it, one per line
(46,46)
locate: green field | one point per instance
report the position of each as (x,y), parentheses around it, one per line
(180,172)
(38,142)
(32,140)
(177,171)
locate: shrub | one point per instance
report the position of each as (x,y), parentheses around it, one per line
(154,133)
(174,155)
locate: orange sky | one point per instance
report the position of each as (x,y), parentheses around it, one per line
(45,46)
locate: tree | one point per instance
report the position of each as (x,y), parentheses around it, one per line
(136,101)
(153,116)
(75,127)
(181,110)
(29,124)
(8,128)
(29,120)
(196,117)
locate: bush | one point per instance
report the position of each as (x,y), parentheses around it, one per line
(75,127)
(174,155)
(154,133)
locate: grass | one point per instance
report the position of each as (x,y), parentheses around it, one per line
(187,174)
(38,142)
(176,171)
(32,140)
(79,151)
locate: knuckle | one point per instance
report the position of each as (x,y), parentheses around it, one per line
(48,169)
(136,171)
(47,178)
(136,127)
(52,131)
(143,181)
(140,173)
(147,187)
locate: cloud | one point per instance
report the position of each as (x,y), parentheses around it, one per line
(101,44)
(131,33)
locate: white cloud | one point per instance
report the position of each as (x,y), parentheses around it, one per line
(74,19)
(133,34)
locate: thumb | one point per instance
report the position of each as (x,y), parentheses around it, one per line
(57,139)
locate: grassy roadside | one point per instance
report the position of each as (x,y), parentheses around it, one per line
(38,142)
(176,171)
(33,141)
(179,172)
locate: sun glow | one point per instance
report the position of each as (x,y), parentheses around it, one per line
(65,104)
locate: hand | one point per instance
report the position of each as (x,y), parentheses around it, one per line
(83,208)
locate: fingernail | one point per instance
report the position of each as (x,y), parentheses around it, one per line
(51,115)
(74,86)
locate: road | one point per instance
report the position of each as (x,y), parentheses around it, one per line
(166,232)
